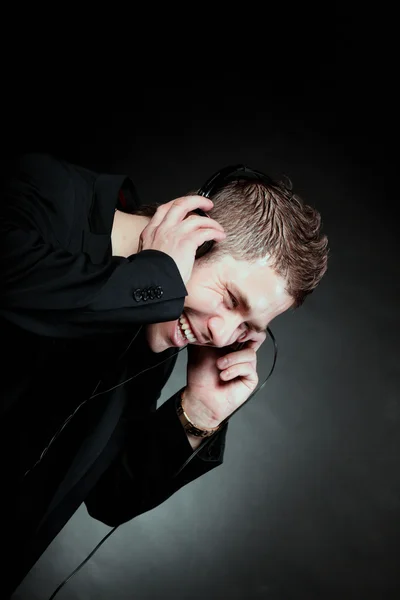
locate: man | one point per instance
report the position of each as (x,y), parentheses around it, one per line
(99,294)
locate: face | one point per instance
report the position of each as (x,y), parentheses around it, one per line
(213,313)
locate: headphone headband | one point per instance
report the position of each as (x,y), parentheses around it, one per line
(231,173)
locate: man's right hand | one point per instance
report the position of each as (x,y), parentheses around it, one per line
(172,231)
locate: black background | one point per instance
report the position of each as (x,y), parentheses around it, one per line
(312,95)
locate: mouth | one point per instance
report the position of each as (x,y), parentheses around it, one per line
(183,333)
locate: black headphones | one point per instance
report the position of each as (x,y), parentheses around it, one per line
(216,181)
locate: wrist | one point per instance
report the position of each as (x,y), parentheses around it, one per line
(198,424)
(198,412)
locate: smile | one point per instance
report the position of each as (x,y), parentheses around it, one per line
(185,330)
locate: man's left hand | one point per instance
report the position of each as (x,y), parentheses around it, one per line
(215,390)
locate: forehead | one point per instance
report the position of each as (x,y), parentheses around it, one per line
(261,286)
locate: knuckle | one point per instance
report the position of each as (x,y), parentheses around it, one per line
(205,232)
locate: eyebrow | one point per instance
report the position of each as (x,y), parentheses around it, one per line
(245,302)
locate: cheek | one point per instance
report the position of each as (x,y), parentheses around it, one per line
(155,329)
(202,300)
(203,295)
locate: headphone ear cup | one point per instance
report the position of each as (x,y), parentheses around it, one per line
(204,248)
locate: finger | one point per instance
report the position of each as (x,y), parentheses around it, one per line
(159,215)
(243,370)
(208,235)
(180,207)
(255,339)
(241,356)
(256,344)
(205,235)
(190,224)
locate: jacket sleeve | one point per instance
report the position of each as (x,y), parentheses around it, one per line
(142,476)
(50,291)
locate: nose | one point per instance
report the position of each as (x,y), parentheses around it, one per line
(224,331)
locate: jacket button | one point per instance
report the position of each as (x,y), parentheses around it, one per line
(137,294)
(159,291)
(151,293)
(145,295)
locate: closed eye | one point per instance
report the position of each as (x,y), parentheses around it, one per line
(235,304)
(234,301)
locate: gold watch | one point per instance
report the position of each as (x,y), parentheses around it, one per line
(189,426)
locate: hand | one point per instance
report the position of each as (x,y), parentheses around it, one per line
(214,391)
(172,231)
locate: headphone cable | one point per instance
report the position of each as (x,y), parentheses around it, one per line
(198,449)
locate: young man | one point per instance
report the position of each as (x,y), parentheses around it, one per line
(97,291)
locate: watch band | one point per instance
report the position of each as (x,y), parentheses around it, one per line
(189,426)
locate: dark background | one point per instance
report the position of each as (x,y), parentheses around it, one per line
(307,504)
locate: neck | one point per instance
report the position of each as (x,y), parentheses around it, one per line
(126,232)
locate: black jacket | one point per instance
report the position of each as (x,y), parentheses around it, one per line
(69,311)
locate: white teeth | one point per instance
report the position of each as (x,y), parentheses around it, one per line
(186,329)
